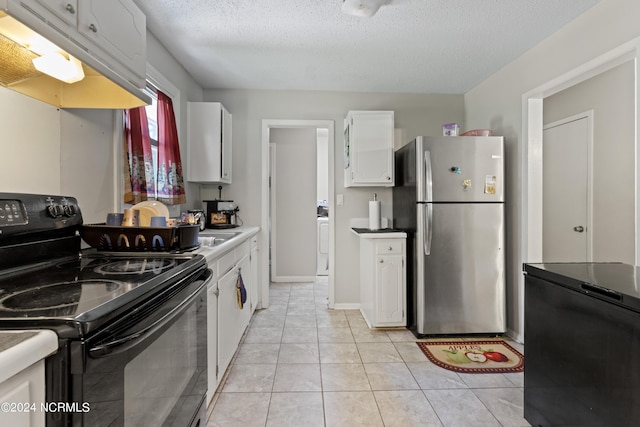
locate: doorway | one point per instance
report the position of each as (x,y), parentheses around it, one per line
(269,219)
(293,203)
(567,190)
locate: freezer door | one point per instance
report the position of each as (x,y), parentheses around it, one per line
(461,287)
(461,169)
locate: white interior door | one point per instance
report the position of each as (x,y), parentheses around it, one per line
(293,210)
(566,212)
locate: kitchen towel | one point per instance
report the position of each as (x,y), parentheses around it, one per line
(374,215)
(241,291)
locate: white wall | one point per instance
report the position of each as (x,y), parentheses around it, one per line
(87,161)
(322,168)
(30,145)
(415,114)
(498,102)
(611,97)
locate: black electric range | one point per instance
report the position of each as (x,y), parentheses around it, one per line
(129,324)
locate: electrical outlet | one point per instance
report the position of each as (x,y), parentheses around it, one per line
(340,199)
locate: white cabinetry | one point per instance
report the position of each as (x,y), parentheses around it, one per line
(232,320)
(26,387)
(209,143)
(64,9)
(117,27)
(228,321)
(368,149)
(383,279)
(113,32)
(253,284)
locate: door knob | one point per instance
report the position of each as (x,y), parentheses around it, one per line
(578,229)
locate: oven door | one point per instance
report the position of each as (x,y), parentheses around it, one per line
(149,369)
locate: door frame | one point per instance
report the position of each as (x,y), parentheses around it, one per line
(530,204)
(268,124)
(589,116)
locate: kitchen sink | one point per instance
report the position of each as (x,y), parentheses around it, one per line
(217,238)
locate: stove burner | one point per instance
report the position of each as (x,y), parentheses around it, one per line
(136,266)
(62,295)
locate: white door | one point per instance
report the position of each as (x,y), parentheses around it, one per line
(566,191)
(293,207)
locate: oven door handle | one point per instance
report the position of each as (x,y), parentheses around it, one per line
(120,345)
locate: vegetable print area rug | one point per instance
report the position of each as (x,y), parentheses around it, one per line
(474,357)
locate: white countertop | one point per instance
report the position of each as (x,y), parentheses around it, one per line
(21,349)
(212,252)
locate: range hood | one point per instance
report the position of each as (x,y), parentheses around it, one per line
(100,87)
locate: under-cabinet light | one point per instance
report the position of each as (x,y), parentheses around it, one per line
(57,66)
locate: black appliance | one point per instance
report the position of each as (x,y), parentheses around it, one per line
(220,214)
(131,326)
(582,337)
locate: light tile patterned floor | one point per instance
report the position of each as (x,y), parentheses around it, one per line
(303,365)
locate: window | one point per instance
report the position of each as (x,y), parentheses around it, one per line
(152,118)
(151,156)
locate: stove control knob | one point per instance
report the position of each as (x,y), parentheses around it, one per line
(70,210)
(55,211)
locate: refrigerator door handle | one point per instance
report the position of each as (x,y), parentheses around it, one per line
(428,225)
(428,218)
(428,179)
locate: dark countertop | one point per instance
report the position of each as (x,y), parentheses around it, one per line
(382,230)
(615,282)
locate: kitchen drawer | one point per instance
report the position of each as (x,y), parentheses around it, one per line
(226,262)
(390,247)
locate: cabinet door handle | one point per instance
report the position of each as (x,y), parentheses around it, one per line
(381,261)
(69,8)
(390,248)
(93,28)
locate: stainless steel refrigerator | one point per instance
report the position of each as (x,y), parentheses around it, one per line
(449,198)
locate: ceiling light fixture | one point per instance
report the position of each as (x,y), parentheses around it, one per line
(362,8)
(57,66)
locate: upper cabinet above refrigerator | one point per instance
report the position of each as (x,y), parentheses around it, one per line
(368,149)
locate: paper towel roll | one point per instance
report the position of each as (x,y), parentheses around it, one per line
(374,215)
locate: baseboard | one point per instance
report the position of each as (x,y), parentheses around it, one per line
(346,306)
(515,336)
(292,279)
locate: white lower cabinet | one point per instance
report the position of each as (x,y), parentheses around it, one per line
(229,316)
(383,281)
(253,284)
(24,388)
(227,321)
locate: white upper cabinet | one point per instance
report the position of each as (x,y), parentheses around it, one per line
(209,139)
(117,27)
(114,32)
(368,149)
(67,10)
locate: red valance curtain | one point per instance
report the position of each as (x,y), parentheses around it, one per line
(170,179)
(138,167)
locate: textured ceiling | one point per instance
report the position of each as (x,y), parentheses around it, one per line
(414,46)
